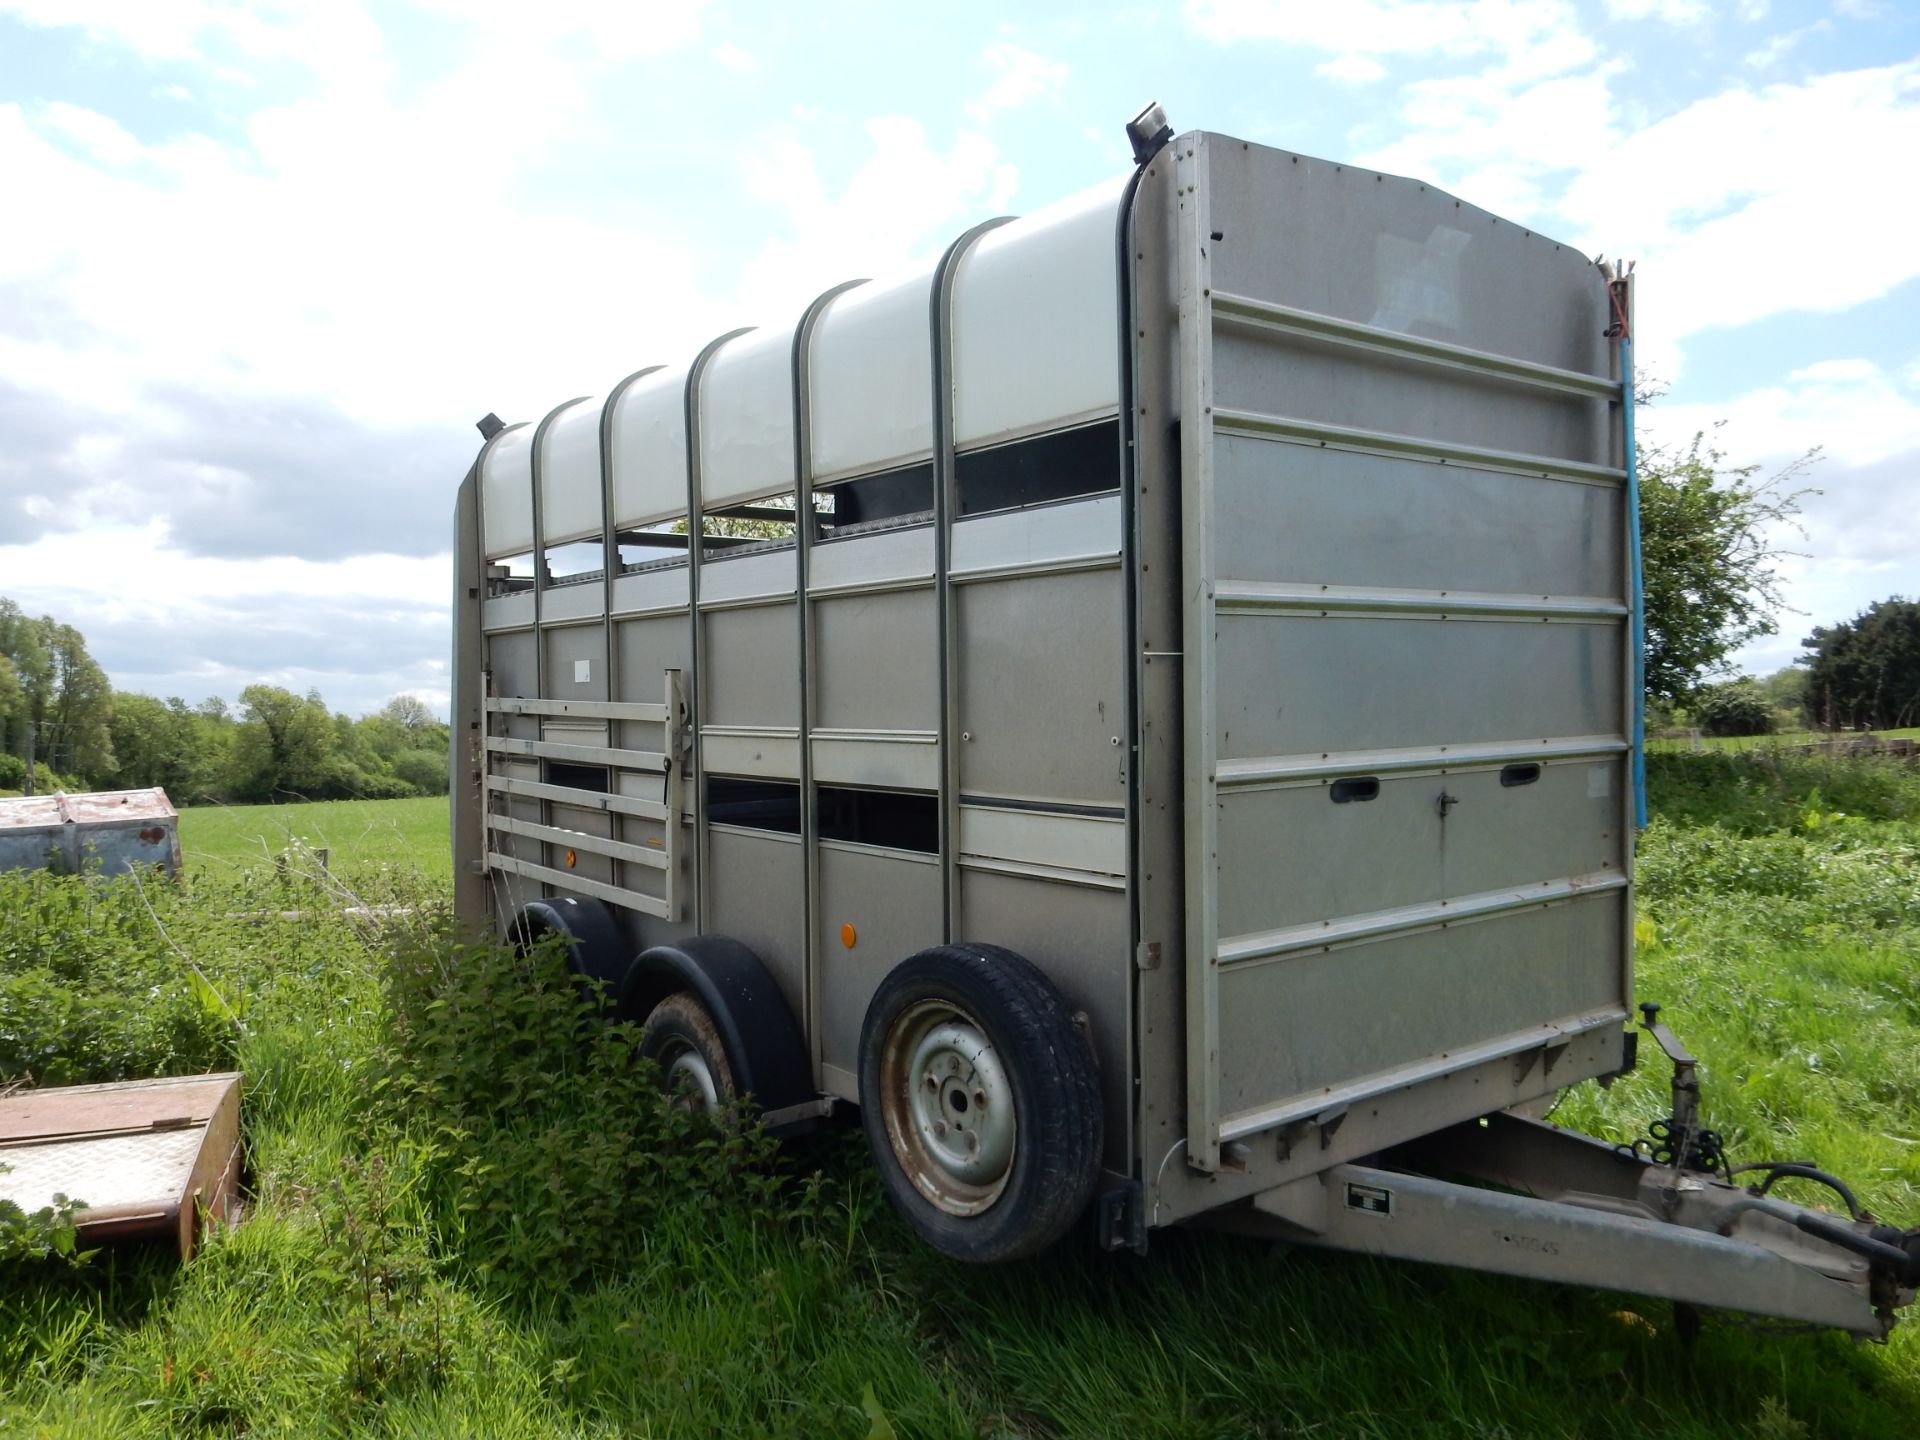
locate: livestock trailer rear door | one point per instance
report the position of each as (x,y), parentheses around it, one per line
(1406,696)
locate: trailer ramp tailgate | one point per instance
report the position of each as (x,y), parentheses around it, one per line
(1405,637)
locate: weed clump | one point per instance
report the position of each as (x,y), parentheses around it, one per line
(90,990)
(552,1148)
(1763,791)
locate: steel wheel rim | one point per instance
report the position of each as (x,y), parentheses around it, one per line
(947,1103)
(688,1078)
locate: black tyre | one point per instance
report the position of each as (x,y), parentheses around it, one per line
(683,1041)
(981,1102)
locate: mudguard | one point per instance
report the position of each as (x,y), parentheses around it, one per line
(597,948)
(763,1042)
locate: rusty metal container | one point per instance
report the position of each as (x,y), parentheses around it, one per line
(157,1158)
(121,830)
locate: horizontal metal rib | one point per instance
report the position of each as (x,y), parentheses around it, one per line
(1243,311)
(1380,924)
(1401,1077)
(1255,595)
(577,840)
(585,799)
(874,737)
(580,885)
(580,754)
(1058,565)
(1028,870)
(580,709)
(1269,769)
(1411,447)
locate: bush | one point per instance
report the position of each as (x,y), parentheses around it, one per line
(555,1149)
(1736,707)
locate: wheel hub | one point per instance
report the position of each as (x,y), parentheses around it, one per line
(948,1107)
(690,1079)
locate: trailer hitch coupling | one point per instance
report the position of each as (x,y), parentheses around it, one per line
(1680,1140)
(1682,1144)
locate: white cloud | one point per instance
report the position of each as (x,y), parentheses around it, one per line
(93,133)
(1779,46)
(169,623)
(1851,408)
(327,36)
(904,202)
(1503,138)
(613,31)
(1020,76)
(1859,539)
(1731,203)
(1352,70)
(735,59)
(1387,27)
(1674,12)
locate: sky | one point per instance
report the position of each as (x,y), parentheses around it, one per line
(263,265)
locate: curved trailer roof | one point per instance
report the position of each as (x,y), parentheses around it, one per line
(1035,349)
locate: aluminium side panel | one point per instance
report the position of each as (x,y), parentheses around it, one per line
(1405,601)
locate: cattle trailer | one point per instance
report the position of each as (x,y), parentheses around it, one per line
(1144,706)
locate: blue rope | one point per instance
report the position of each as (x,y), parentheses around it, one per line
(1637,604)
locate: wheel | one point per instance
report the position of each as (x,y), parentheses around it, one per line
(981,1102)
(682,1040)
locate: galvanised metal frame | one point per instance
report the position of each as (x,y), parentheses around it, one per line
(1202,846)
(662,762)
(610,572)
(695,544)
(945,512)
(804,522)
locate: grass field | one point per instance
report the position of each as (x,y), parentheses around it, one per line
(406,833)
(1784,739)
(457,1234)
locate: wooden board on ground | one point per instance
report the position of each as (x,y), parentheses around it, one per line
(145,1157)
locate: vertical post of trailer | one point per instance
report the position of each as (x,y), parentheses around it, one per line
(1620,295)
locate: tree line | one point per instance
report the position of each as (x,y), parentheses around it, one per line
(1862,674)
(57,705)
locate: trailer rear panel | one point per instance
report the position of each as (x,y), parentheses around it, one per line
(1404,606)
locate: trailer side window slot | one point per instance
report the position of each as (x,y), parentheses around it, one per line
(510,574)
(579,561)
(593,778)
(1043,468)
(754,804)
(662,544)
(890,819)
(730,529)
(1362,787)
(888,498)
(1512,775)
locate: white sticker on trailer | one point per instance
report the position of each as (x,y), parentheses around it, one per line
(1599,782)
